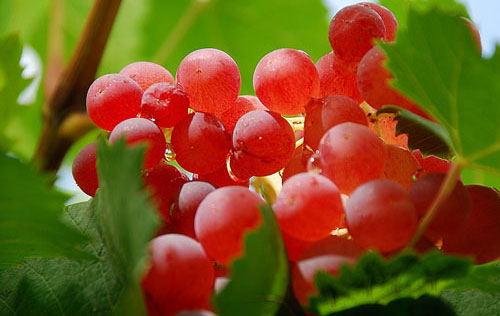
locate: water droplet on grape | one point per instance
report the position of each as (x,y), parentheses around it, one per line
(314,164)
(169,152)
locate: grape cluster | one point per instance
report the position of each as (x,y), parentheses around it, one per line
(349,182)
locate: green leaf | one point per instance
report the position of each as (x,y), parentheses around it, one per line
(423,134)
(11,82)
(126,220)
(62,286)
(376,281)
(30,217)
(436,63)
(259,279)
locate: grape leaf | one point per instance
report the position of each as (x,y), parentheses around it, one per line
(423,134)
(259,279)
(62,286)
(30,217)
(437,64)
(373,280)
(120,202)
(11,82)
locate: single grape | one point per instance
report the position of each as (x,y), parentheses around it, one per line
(479,237)
(180,276)
(351,154)
(165,104)
(308,207)
(190,197)
(263,142)
(285,80)
(211,79)
(200,143)
(243,105)
(146,74)
(400,165)
(142,131)
(373,84)
(298,163)
(294,247)
(164,181)
(353,30)
(113,98)
(222,219)
(327,113)
(337,76)
(221,178)
(380,214)
(390,22)
(85,171)
(452,214)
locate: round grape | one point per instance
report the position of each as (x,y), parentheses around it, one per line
(390,22)
(146,74)
(85,171)
(165,104)
(243,105)
(337,76)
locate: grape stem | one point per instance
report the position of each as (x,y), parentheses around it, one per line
(64,115)
(445,190)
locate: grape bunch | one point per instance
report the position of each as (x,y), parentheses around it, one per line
(350,184)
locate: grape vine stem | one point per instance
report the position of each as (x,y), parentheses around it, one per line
(445,190)
(64,116)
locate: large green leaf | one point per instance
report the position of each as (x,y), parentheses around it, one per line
(30,217)
(62,286)
(437,64)
(376,281)
(126,220)
(259,279)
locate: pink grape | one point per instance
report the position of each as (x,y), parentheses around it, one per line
(298,163)
(142,131)
(295,247)
(351,154)
(327,113)
(337,76)
(380,214)
(180,276)
(85,171)
(221,178)
(211,79)
(222,219)
(113,98)
(308,207)
(243,105)
(390,22)
(146,74)
(452,214)
(165,104)
(353,30)
(479,237)
(200,143)
(190,197)
(285,80)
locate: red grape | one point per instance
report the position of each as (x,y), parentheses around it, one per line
(390,22)
(333,245)
(400,165)
(222,219)
(285,80)
(479,237)
(243,105)
(139,130)
(351,154)
(264,143)
(146,74)
(298,163)
(294,247)
(337,76)
(452,214)
(200,143)
(431,164)
(380,214)
(308,207)
(165,104)
(353,30)
(180,276)
(211,80)
(325,114)
(164,181)
(85,171)
(113,98)
(221,178)
(190,197)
